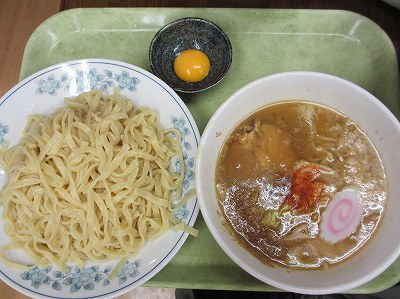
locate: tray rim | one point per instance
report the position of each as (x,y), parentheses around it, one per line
(23,74)
(153,282)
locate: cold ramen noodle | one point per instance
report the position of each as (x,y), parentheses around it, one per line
(300,185)
(91,181)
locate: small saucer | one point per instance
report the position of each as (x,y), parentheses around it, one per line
(184,34)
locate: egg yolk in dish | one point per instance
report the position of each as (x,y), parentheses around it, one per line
(192,65)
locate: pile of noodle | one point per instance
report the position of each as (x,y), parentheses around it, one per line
(92,181)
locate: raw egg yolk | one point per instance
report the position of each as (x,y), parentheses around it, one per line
(192,65)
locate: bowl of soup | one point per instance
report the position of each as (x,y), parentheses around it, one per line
(297,179)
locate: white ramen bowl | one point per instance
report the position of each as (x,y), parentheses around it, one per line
(380,125)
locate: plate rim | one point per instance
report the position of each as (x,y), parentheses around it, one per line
(169,255)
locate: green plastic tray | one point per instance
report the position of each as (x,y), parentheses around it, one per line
(264,41)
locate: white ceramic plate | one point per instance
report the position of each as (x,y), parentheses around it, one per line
(45,91)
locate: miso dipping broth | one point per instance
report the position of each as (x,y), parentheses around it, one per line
(300,185)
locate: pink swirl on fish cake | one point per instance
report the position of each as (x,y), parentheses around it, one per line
(341,217)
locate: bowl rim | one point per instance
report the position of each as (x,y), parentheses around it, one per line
(207,133)
(184,89)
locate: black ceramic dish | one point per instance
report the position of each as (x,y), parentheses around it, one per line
(184,34)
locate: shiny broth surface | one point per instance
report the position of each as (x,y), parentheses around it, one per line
(277,173)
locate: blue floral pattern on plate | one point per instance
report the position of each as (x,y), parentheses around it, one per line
(83,81)
(3,131)
(180,125)
(76,278)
